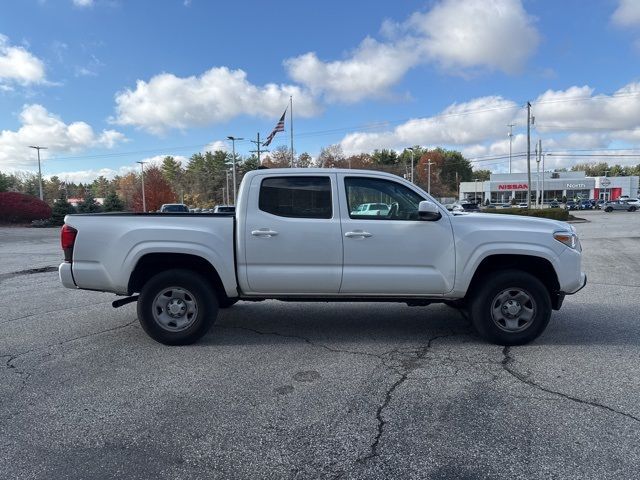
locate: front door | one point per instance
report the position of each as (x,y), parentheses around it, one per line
(292,237)
(393,252)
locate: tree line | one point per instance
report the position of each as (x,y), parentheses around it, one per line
(202,181)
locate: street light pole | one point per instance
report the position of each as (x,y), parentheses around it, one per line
(411,176)
(227,172)
(233,149)
(39,168)
(144,200)
(475,195)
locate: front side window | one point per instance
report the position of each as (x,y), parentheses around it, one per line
(376,199)
(297,197)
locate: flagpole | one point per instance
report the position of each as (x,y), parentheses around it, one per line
(291,125)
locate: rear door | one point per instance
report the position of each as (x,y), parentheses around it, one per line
(293,241)
(393,253)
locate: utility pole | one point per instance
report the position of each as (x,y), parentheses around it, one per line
(528,154)
(511,125)
(257,150)
(475,195)
(233,147)
(227,172)
(144,200)
(39,168)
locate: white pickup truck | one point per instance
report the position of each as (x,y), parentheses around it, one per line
(297,235)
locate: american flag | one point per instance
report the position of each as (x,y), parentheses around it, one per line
(279,128)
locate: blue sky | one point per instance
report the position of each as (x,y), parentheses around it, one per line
(105,83)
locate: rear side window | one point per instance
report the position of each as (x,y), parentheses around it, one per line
(298,197)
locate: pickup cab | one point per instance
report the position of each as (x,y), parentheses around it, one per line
(297,235)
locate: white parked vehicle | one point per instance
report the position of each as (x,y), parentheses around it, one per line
(297,235)
(372,209)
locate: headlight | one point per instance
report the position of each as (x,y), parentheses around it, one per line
(570,239)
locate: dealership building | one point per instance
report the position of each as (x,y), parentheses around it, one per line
(502,187)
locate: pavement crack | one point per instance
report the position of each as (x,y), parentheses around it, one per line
(380,357)
(507,362)
(407,367)
(5,276)
(53,311)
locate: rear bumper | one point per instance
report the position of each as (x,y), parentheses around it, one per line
(66,276)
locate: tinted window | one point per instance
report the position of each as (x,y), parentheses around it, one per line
(300,197)
(386,200)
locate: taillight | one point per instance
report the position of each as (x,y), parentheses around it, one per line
(67,239)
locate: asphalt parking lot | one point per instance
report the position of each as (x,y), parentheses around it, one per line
(301,390)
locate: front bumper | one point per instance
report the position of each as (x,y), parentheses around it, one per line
(66,275)
(558,297)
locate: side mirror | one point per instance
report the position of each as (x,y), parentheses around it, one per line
(429,211)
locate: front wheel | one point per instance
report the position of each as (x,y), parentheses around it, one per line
(608,209)
(511,307)
(632,209)
(177,307)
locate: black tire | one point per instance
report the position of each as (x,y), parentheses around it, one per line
(197,297)
(608,209)
(632,209)
(458,304)
(502,284)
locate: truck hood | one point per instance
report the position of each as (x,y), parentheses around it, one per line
(492,221)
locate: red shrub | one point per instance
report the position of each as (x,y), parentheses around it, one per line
(17,207)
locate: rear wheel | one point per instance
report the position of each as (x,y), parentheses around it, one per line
(511,307)
(608,209)
(632,209)
(177,307)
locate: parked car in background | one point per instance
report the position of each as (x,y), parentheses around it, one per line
(554,204)
(571,205)
(378,209)
(585,205)
(224,209)
(174,208)
(470,207)
(634,201)
(523,205)
(619,205)
(599,204)
(506,205)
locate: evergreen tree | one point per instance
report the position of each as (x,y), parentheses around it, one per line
(112,203)
(89,204)
(61,207)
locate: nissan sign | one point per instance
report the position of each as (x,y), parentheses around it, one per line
(513,186)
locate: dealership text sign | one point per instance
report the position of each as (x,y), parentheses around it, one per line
(513,186)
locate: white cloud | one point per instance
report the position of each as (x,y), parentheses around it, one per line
(219,94)
(216,145)
(371,69)
(18,65)
(627,14)
(575,118)
(467,34)
(460,36)
(40,127)
(452,126)
(90,175)
(83,3)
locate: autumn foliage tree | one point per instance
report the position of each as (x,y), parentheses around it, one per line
(157,191)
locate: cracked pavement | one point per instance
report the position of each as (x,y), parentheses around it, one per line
(302,390)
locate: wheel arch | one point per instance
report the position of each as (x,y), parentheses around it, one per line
(539,267)
(151,264)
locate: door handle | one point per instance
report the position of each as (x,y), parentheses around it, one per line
(358,234)
(264,232)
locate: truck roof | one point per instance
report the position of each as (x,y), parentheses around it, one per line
(315,171)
